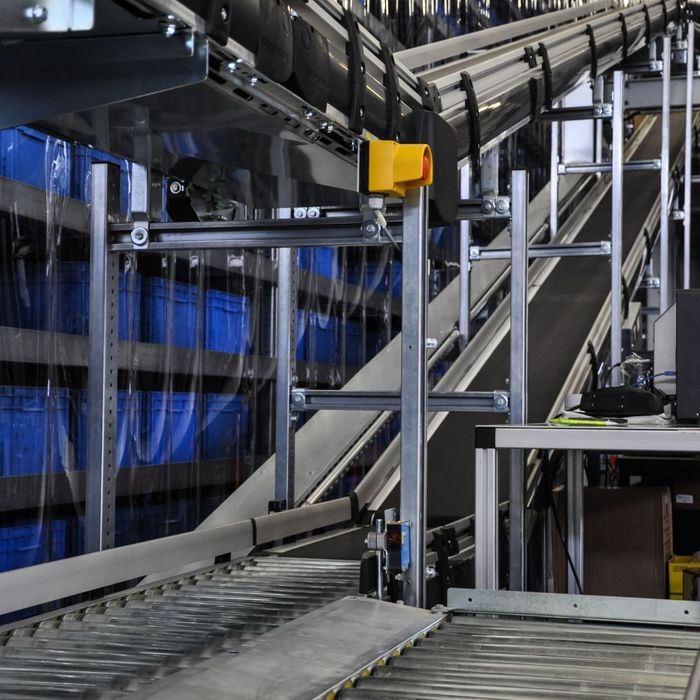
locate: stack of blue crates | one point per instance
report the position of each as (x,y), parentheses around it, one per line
(81,180)
(31,543)
(30,423)
(322,338)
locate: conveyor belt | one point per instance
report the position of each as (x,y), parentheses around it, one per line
(560,318)
(507,659)
(121,643)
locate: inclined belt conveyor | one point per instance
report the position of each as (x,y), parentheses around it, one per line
(482,657)
(125,641)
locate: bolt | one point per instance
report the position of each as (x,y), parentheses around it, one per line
(176,187)
(300,212)
(607,110)
(500,402)
(371,229)
(313,213)
(474,252)
(139,236)
(606,247)
(487,206)
(297,399)
(253,80)
(232,66)
(597,110)
(431,343)
(169,30)
(308,114)
(37,14)
(224,13)
(502,206)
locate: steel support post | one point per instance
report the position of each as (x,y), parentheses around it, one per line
(618,138)
(464,262)
(414,389)
(688,168)
(665,292)
(101,478)
(486,519)
(554,182)
(574,518)
(598,98)
(518,371)
(286,370)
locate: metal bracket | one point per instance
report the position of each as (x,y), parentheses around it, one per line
(606,167)
(677,215)
(547,250)
(602,110)
(464,402)
(492,207)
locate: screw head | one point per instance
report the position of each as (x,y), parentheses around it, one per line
(139,236)
(37,14)
(253,80)
(487,206)
(176,187)
(502,206)
(169,30)
(224,13)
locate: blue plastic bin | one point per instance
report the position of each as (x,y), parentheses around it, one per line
(322,261)
(322,340)
(170,421)
(27,300)
(353,343)
(81,178)
(32,543)
(36,159)
(170,312)
(170,518)
(129,447)
(226,423)
(128,526)
(27,416)
(227,324)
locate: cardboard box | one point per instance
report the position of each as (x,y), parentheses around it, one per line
(628,540)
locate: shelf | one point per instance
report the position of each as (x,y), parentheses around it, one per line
(25,492)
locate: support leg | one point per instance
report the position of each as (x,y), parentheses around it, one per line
(554,183)
(286,371)
(688,169)
(414,404)
(518,372)
(103,344)
(464,264)
(616,228)
(574,517)
(666,293)
(486,519)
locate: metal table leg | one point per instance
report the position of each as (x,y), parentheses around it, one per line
(464,263)
(486,519)
(574,518)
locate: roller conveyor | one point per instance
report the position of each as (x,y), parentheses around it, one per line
(475,657)
(123,642)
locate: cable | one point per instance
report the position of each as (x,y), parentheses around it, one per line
(645,380)
(607,373)
(566,549)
